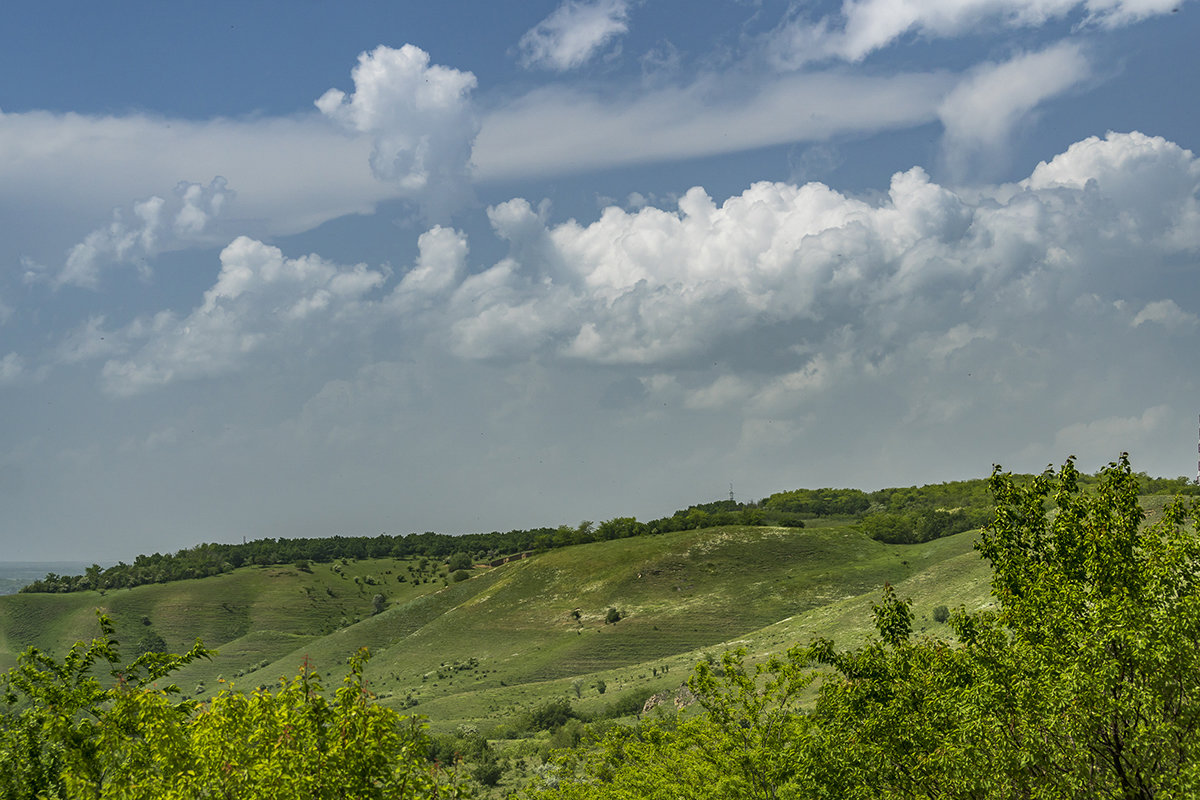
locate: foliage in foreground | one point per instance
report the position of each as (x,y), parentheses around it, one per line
(65,734)
(1083,682)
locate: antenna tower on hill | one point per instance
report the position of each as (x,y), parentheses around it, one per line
(731,485)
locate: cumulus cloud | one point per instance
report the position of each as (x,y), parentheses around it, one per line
(829,282)
(261,302)
(980,113)
(147,228)
(441,263)
(573,33)
(419,117)
(864,26)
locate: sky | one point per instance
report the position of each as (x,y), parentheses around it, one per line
(315,269)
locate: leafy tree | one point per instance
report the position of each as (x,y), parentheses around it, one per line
(53,711)
(66,734)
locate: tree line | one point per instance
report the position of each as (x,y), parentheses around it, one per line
(896,515)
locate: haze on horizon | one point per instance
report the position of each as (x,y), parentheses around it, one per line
(314,270)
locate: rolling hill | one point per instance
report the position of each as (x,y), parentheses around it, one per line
(511,636)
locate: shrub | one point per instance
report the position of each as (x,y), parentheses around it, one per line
(550,715)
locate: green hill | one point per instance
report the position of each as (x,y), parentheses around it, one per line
(514,635)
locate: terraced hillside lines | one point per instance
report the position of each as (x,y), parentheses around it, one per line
(380,633)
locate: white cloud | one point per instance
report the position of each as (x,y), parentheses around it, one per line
(1154,179)
(406,131)
(980,113)
(556,130)
(721,393)
(1166,313)
(573,33)
(864,26)
(63,174)
(262,302)
(441,263)
(148,228)
(419,117)
(945,271)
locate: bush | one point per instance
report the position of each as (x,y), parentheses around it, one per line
(613,616)
(941,614)
(550,715)
(461,575)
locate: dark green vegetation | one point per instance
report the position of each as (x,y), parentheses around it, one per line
(518,659)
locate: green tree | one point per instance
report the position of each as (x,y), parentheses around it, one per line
(65,733)
(53,711)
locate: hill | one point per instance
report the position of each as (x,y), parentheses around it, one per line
(488,647)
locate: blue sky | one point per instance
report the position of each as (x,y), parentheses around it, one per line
(312,269)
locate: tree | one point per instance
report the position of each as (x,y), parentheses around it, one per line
(64,734)
(53,711)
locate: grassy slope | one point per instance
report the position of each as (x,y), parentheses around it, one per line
(681,594)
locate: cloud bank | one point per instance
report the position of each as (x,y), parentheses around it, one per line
(825,289)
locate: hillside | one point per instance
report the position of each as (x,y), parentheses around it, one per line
(508,637)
